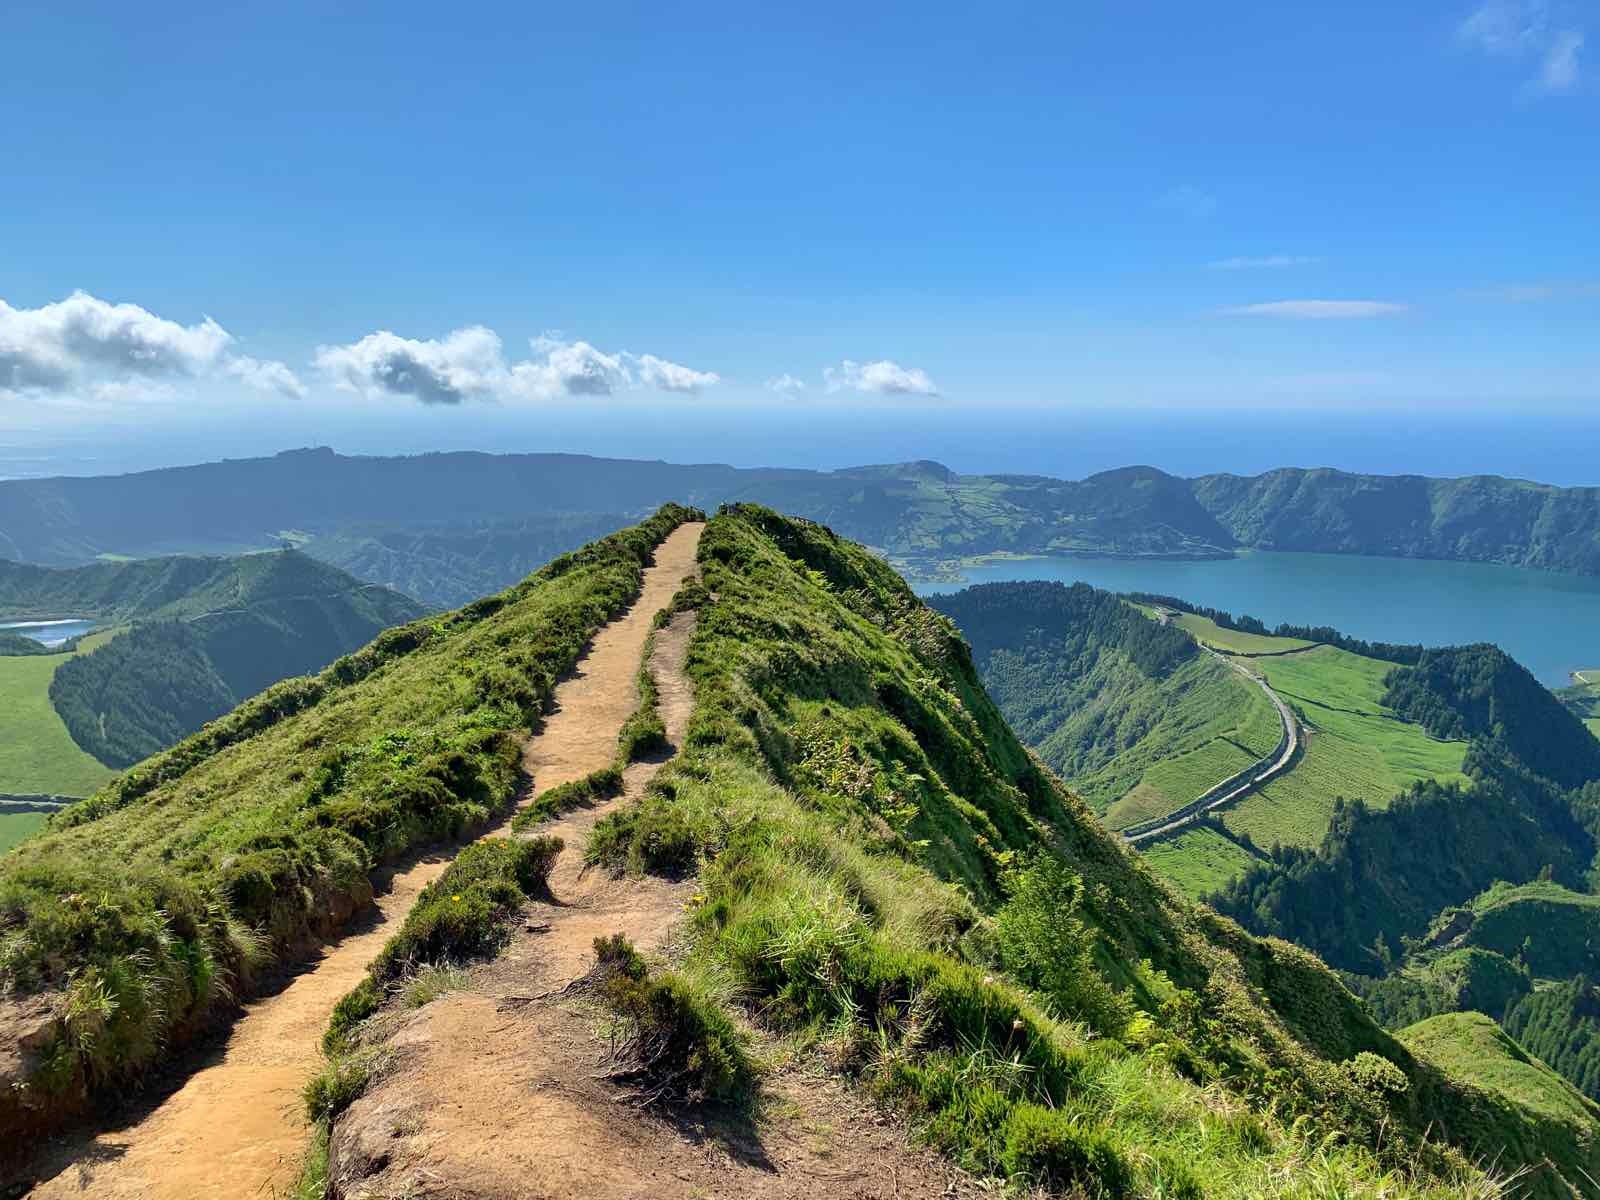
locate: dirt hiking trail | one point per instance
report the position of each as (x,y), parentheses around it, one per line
(493,1091)
(235,1128)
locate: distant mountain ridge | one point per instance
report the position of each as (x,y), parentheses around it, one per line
(492,514)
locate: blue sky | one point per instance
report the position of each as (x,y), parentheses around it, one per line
(454,220)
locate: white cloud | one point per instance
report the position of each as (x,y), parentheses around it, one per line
(264,376)
(85,345)
(882,377)
(1263,263)
(1318,310)
(785,385)
(673,377)
(1524,29)
(464,365)
(1559,73)
(568,369)
(470,364)
(1189,201)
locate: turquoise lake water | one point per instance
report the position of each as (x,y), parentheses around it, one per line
(1548,622)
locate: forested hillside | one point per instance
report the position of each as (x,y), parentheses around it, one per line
(1127,710)
(1482,692)
(206,634)
(478,517)
(1482,518)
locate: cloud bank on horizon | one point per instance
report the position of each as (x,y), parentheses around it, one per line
(90,349)
(85,348)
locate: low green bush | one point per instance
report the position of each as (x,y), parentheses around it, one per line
(675,1045)
(578,793)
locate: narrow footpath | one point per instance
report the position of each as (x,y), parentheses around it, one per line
(235,1127)
(496,1090)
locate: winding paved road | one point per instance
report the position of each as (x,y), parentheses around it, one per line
(1230,790)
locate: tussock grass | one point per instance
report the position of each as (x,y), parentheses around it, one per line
(149,907)
(673,1045)
(461,915)
(888,876)
(594,787)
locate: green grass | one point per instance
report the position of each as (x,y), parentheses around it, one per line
(1356,748)
(1232,641)
(14,826)
(1200,725)
(1555,931)
(1583,698)
(459,916)
(1471,1046)
(861,818)
(37,754)
(154,901)
(1198,859)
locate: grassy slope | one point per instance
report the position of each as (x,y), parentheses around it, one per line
(1356,749)
(1233,641)
(1561,928)
(271,818)
(14,826)
(37,754)
(1208,724)
(1474,1048)
(842,750)
(1199,860)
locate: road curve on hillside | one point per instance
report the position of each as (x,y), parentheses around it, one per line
(1229,790)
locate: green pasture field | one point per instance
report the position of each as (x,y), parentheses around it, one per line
(36,752)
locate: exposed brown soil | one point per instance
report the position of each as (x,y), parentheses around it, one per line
(491,1092)
(235,1126)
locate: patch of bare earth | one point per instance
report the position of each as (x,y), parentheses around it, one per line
(496,1091)
(235,1126)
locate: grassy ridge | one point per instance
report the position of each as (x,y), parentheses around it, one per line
(1473,1047)
(146,908)
(841,757)
(1235,641)
(37,754)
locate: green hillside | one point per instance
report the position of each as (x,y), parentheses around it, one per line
(1474,1048)
(1123,708)
(259,832)
(1116,698)
(1357,747)
(1552,930)
(883,869)
(207,634)
(37,753)
(816,667)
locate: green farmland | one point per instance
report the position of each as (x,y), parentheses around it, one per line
(36,752)
(1232,641)
(1355,747)
(14,826)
